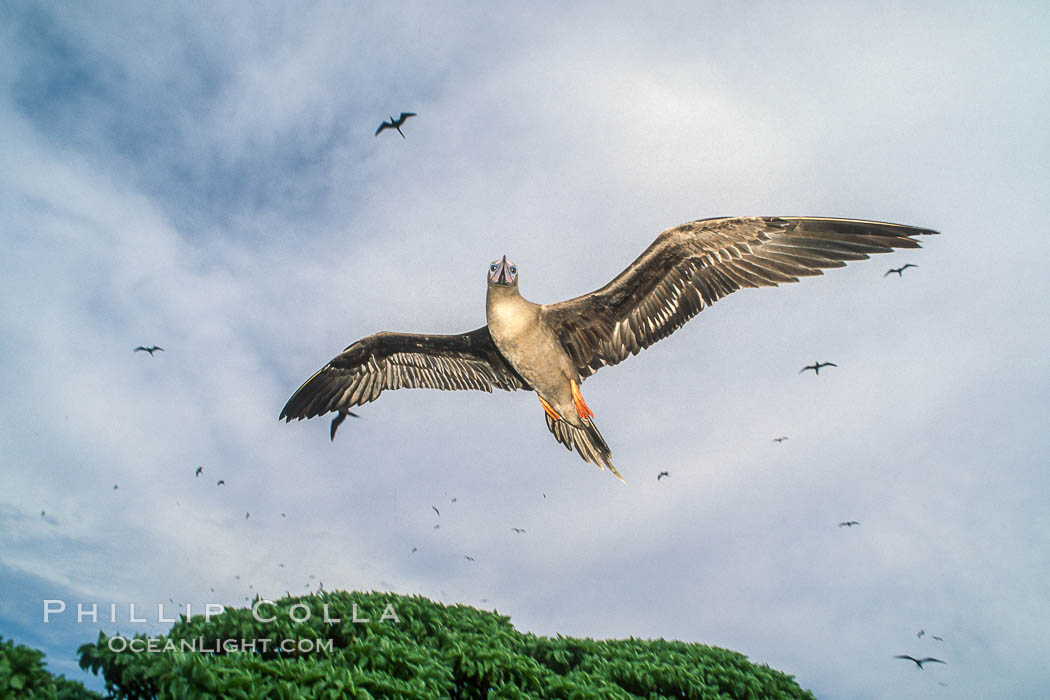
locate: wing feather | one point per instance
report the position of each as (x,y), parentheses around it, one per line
(384,361)
(690,267)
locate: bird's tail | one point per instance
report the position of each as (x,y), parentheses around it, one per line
(587,441)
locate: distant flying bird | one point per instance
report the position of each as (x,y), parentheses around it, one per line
(338,420)
(200,470)
(518,530)
(437,527)
(469,558)
(436,510)
(395,123)
(816,367)
(114,487)
(937,638)
(849,523)
(221,482)
(43,513)
(662,475)
(283,515)
(551,349)
(414,550)
(150,350)
(921,632)
(919,662)
(780,439)
(453,499)
(247,515)
(899,270)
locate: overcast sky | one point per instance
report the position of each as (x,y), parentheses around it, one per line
(207,179)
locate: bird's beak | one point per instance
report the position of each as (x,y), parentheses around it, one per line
(503,271)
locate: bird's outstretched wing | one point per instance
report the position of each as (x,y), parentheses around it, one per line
(690,267)
(404,115)
(384,125)
(384,361)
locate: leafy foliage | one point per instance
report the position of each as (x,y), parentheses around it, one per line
(22,675)
(432,650)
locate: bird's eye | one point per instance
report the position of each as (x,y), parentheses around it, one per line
(513,270)
(493,267)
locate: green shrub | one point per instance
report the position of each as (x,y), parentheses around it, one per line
(22,675)
(432,651)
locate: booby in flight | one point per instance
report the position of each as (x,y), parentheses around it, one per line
(552,348)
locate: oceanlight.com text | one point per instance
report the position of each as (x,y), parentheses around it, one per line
(201,645)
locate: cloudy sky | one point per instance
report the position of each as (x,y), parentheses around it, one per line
(206,179)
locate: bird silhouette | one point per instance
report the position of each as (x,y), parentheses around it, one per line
(662,475)
(453,499)
(780,439)
(437,527)
(337,421)
(849,523)
(414,550)
(221,482)
(469,558)
(919,635)
(919,662)
(899,270)
(939,639)
(200,470)
(518,530)
(152,349)
(247,515)
(114,487)
(816,367)
(436,510)
(395,123)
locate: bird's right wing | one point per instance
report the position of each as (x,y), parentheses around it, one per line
(384,361)
(384,125)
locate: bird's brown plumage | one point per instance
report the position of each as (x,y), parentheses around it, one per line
(690,267)
(685,270)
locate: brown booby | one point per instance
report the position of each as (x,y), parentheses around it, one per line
(552,348)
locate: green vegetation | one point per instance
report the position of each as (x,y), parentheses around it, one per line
(433,651)
(22,675)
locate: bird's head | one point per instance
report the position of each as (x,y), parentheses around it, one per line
(503,273)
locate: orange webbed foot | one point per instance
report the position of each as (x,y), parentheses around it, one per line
(547,407)
(582,410)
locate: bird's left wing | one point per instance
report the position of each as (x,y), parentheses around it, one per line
(692,266)
(383,361)
(384,125)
